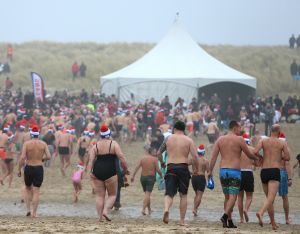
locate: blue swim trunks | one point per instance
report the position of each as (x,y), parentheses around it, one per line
(283,185)
(230,180)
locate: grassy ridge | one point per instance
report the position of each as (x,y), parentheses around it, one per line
(270,65)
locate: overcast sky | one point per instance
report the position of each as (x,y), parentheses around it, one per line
(236,22)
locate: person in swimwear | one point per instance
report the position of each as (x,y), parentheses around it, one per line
(83,144)
(247,182)
(34,152)
(9,160)
(198,179)
(275,150)
(64,147)
(177,178)
(230,147)
(76,179)
(149,165)
(103,172)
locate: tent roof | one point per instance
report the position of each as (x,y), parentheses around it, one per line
(178,56)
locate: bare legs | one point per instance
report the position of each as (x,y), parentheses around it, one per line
(286,208)
(182,207)
(146,203)
(64,163)
(32,200)
(243,211)
(102,206)
(197,202)
(270,191)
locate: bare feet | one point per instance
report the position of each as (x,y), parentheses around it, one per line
(288,221)
(275,226)
(143,212)
(75,199)
(246,216)
(106,217)
(28,214)
(183,224)
(195,213)
(1,182)
(242,221)
(260,222)
(166,217)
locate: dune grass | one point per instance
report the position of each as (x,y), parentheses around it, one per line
(270,65)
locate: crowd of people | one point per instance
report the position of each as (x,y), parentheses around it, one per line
(34,133)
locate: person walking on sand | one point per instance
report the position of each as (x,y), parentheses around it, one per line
(285,182)
(247,182)
(34,152)
(275,150)
(64,148)
(230,147)
(103,172)
(178,147)
(198,179)
(76,179)
(149,165)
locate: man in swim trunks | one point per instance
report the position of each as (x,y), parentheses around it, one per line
(149,165)
(34,152)
(230,147)
(64,147)
(178,147)
(275,150)
(285,182)
(247,182)
(198,179)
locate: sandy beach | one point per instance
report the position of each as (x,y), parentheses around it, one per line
(58,213)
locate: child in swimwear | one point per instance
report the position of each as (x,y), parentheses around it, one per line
(76,178)
(149,165)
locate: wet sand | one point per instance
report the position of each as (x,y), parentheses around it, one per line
(58,214)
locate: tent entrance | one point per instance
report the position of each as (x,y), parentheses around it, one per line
(226,89)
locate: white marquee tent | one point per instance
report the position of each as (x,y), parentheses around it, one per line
(177,66)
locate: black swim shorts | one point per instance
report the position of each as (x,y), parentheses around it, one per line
(247,182)
(268,174)
(177,179)
(199,183)
(33,175)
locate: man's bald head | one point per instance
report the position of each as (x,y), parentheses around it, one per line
(275,128)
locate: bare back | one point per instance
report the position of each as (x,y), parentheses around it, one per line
(247,163)
(203,166)
(149,165)
(274,149)
(178,148)
(230,147)
(34,151)
(64,140)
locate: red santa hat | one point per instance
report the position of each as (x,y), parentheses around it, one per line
(86,132)
(50,129)
(6,127)
(91,133)
(246,138)
(60,127)
(201,150)
(282,136)
(10,135)
(105,131)
(34,132)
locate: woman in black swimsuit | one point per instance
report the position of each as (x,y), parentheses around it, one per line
(102,165)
